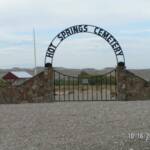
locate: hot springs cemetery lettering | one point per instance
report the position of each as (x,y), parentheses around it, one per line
(84,29)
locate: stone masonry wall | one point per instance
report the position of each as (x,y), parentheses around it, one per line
(131,87)
(37,89)
(40,88)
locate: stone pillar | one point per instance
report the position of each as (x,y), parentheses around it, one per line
(121,81)
(49,79)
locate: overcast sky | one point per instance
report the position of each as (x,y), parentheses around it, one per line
(127,20)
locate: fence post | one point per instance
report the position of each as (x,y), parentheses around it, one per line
(121,81)
(50,82)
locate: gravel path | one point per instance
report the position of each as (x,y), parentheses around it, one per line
(76,126)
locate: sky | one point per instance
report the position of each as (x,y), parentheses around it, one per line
(127,20)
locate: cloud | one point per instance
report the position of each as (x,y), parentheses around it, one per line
(49,13)
(51,16)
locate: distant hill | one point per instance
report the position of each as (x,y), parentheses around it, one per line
(143,73)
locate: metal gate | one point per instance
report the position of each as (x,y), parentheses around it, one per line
(85,87)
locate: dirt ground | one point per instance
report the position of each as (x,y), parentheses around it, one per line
(82,125)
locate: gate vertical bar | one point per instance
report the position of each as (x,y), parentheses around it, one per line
(69,88)
(92,88)
(64,88)
(96,88)
(116,85)
(73,88)
(110,82)
(106,87)
(78,88)
(59,85)
(82,88)
(101,88)
(54,84)
(88,89)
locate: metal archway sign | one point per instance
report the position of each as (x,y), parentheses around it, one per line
(83,28)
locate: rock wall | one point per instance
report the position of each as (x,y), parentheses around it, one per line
(40,88)
(131,87)
(37,89)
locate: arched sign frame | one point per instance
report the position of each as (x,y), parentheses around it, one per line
(83,28)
